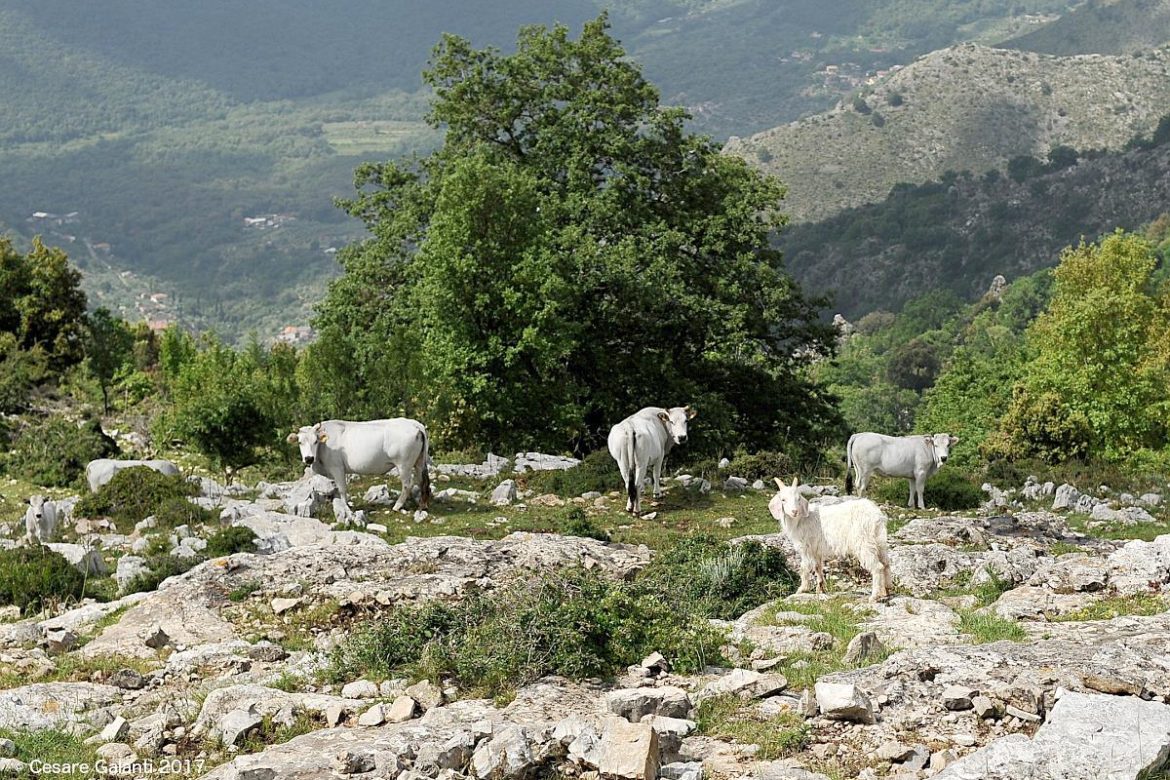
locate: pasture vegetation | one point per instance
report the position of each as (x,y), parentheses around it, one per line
(838,616)
(1116,606)
(729,718)
(984,626)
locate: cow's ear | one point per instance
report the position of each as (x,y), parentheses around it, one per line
(779,483)
(954,440)
(664,417)
(691,413)
(322,436)
(292,438)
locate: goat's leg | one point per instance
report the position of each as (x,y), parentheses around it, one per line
(806,571)
(820,576)
(876,564)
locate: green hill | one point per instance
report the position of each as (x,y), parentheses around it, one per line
(1101,27)
(959,233)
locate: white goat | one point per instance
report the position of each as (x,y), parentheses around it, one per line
(856,528)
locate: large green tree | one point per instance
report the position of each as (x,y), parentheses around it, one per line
(41,302)
(570,254)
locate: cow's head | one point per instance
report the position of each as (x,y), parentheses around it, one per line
(940,444)
(791,503)
(36,504)
(308,438)
(675,421)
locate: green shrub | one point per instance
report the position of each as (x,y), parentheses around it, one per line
(719,580)
(161,566)
(598,472)
(949,490)
(33,578)
(761,465)
(229,541)
(136,493)
(578,523)
(173,512)
(54,452)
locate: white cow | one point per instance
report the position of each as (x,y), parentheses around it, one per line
(335,448)
(40,520)
(101,471)
(641,442)
(915,457)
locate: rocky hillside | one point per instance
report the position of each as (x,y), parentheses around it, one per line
(959,234)
(1023,639)
(967,107)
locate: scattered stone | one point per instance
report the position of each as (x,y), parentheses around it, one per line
(1066,497)
(359,689)
(957,698)
(268,652)
(863,647)
(744,683)
(656,663)
(236,724)
(426,694)
(735,485)
(335,714)
(633,704)
(7,748)
(155,638)
(374,716)
(893,751)
(354,762)
(129,567)
(282,605)
(127,679)
(505,493)
(403,709)
(1016,712)
(985,708)
(116,730)
(506,754)
(844,701)
(59,639)
(628,751)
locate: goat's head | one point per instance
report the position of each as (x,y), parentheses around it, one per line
(792,503)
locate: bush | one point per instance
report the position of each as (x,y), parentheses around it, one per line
(173,512)
(33,578)
(229,541)
(161,566)
(761,465)
(949,490)
(573,623)
(55,451)
(578,523)
(597,472)
(715,579)
(136,493)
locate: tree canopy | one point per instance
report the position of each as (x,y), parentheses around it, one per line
(569,255)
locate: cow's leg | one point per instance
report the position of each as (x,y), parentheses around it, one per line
(625,472)
(407,473)
(919,486)
(639,481)
(338,478)
(657,471)
(862,481)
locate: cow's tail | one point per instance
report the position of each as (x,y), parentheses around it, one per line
(424,474)
(631,464)
(849,466)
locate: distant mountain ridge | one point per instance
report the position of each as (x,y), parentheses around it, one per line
(1101,27)
(967,107)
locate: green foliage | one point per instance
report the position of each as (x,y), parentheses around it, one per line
(578,523)
(728,718)
(761,465)
(984,626)
(137,493)
(573,623)
(949,489)
(718,580)
(160,566)
(55,747)
(226,404)
(597,471)
(229,541)
(34,578)
(54,451)
(20,371)
(1099,362)
(511,273)
(109,348)
(41,302)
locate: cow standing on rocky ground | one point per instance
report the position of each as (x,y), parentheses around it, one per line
(335,448)
(40,520)
(641,442)
(915,457)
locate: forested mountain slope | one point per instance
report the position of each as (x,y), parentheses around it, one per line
(959,233)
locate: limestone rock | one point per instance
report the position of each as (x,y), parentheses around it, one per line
(864,646)
(628,751)
(844,701)
(237,724)
(505,493)
(633,704)
(1085,735)
(403,709)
